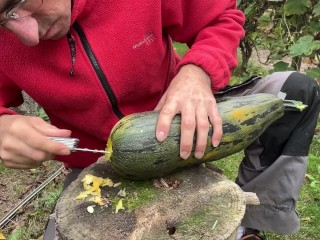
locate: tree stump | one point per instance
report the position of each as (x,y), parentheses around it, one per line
(196,203)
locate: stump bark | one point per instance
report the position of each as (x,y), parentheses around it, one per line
(192,204)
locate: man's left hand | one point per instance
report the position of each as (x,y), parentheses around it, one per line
(190,95)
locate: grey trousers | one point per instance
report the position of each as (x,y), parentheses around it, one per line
(275,165)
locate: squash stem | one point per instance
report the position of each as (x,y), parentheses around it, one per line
(292,105)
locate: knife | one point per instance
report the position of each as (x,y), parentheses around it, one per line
(72,144)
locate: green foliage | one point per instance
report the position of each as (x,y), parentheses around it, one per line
(296,7)
(43,114)
(287,28)
(180,48)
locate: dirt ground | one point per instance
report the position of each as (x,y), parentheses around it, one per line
(16,185)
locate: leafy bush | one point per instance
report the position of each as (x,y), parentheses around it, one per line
(287,28)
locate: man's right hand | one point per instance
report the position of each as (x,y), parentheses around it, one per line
(24,142)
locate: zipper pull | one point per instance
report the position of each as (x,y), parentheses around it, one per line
(72,47)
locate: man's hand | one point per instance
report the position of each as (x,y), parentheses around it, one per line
(24,142)
(190,95)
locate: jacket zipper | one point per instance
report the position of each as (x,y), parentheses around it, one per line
(102,77)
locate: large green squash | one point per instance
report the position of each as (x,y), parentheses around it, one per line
(136,153)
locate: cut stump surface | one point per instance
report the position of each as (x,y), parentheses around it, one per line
(192,204)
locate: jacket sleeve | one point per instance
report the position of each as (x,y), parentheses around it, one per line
(212,29)
(10,95)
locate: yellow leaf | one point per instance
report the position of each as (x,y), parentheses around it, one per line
(119,206)
(2,237)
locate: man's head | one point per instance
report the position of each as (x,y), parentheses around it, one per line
(32,20)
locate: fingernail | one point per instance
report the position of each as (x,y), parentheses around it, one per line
(198,155)
(65,151)
(216,143)
(184,155)
(160,136)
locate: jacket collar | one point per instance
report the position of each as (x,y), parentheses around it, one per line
(80,8)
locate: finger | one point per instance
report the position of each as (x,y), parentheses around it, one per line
(167,113)
(202,125)
(188,124)
(42,143)
(216,122)
(21,153)
(47,146)
(32,140)
(49,130)
(161,102)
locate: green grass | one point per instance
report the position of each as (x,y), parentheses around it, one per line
(180,48)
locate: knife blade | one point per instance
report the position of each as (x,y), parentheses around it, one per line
(72,144)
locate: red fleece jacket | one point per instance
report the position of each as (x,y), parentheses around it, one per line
(130,41)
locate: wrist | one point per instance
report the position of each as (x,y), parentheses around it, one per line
(194,70)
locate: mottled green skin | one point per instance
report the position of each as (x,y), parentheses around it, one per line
(138,155)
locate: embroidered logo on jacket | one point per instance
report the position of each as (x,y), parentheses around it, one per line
(148,39)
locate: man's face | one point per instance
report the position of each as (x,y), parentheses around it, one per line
(50,21)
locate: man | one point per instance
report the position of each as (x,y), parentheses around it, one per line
(88,63)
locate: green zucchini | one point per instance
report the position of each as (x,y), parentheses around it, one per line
(136,153)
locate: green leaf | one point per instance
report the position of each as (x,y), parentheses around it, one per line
(298,7)
(316,10)
(314,24)
(265,21)
(314,184)
(280,66)
(315,45)
(302,46)
(248,10)
(313,72)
